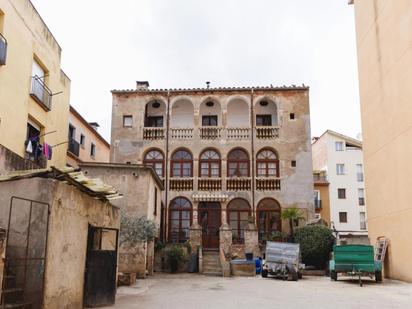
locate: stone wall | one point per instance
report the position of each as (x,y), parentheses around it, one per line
(10,161)
(71,212)
(2,253)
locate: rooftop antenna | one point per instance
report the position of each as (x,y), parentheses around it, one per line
(207,85)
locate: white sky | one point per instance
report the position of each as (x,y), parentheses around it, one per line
(110,44)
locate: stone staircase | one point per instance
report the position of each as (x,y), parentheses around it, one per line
(211,263)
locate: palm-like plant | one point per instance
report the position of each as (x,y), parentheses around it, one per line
(291,214)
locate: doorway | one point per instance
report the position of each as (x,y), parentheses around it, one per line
(101,266)
(210,221)
(26,247)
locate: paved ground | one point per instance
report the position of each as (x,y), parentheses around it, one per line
(197,292)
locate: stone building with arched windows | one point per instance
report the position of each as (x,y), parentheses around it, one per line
(230,158)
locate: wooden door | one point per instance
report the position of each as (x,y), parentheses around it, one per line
(210,221)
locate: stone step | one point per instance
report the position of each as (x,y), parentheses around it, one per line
(213,273)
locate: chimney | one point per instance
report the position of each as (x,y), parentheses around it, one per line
(142,85)
(94,125)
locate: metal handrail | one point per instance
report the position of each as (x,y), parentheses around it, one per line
(40,92)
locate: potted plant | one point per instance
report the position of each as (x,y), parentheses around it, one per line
(175,255)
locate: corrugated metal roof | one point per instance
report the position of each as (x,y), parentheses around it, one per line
(94,187)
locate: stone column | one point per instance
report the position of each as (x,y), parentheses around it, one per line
(225,243)
(252,240)
(195,232)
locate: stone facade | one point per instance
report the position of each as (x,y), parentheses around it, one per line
(142,196)
(228,123)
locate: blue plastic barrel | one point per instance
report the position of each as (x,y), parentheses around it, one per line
(258,264)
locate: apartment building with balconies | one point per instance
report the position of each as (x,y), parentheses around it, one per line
(34,91)
(338,168)
(230,158)
(85,144)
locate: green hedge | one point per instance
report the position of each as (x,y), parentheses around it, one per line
(316,243)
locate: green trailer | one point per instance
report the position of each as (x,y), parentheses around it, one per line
(355,260)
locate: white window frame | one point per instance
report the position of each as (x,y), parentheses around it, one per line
(341,147)
(340,169)
(125,123)
(362,223)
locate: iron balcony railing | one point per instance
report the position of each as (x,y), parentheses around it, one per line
(320,178)
(3,50)
(318,204)
(74,147)
(40,92)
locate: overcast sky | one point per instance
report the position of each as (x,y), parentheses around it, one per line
(109,44)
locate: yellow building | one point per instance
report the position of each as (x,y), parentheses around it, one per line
(85,143)
(34,91)
(321,196)
(384,40)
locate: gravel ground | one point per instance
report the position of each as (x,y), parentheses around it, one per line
(197,291)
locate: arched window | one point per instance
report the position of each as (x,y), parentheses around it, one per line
(182,164)
(155,159)
(180,219)
(267,164)
(268,213)
(238,212)
(209,163)
(238,163)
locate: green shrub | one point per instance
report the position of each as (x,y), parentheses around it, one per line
(175,255)
(134,230)
(316,243)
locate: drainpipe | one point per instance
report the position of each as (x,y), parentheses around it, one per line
(252,109)
(166,228)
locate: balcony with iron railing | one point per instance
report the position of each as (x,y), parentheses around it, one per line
(320,178)
(41,93)
(181,184)
(267,184)
(3,50)
(74,147)
(209,184)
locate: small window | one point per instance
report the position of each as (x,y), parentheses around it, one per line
(154,122)
(127,121)
(263,120)
(292,116)
(339,146)
(343,217)
(93,150)
(209,121)
(359,172)
(361,196)
(293,163)
(72,132)
(155,203)
(341,193)
(340,169)
(82,140)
